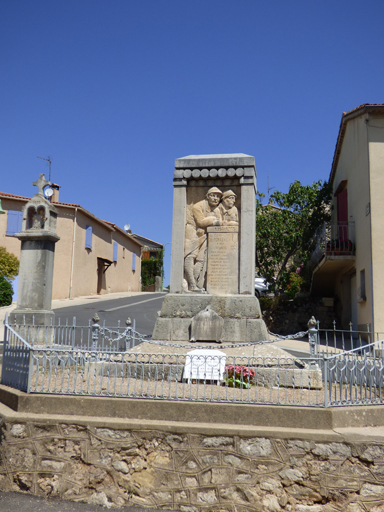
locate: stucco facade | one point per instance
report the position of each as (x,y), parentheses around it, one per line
(92,256)
(357,176)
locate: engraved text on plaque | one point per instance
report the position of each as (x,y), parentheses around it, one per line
(223,260)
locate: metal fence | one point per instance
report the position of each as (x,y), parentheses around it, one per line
(355,377)
(336,238)
(97,361)
(332,340)
(94,335)
(23,342)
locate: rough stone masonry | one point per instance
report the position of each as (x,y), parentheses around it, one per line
(191,472)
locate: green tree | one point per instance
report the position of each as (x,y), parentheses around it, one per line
(9,268)
(150,268)
(9,264)
(6,292)
(285,231)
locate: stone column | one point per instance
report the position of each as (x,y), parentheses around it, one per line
(178,230)
(34,300)
(38,238)
(248,232)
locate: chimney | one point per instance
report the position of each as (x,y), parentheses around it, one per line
(55,195)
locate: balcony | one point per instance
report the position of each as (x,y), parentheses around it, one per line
(334,253)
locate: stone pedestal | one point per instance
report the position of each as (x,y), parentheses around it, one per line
(241,315)
(34,298)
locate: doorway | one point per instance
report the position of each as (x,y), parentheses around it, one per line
(102,267)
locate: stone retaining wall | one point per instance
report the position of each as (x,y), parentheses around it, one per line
(190,472)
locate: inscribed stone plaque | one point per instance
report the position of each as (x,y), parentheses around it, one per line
(207,326)
(223,260)
(204,365)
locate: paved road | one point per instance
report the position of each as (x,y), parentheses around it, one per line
(142,308)
(16,501)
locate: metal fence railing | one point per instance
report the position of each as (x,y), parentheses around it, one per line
(355,377)
(101,362)
(336,238)
(330,341)
(94,335)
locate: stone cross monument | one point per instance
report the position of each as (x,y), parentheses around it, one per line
(213,251)
(38,237)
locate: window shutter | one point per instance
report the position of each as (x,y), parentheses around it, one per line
(133,261)
(342,206)
(20,221)
(115,245)
(88,237)
(14,221)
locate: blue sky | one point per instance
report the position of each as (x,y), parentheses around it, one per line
(113,91)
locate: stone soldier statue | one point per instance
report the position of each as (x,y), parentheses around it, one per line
(228,211)
(199,217)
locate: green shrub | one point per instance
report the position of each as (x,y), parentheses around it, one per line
(9,264)
(266,302)
(6,292)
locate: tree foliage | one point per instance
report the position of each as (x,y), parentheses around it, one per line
(6,292)
(9,264)
(285,231)
(150,268)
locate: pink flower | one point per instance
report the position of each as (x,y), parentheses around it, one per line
(239,371)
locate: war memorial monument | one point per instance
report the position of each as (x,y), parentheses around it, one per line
(213,253)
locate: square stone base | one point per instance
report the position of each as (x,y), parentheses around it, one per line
(42,320)
(37,317)
(241,314)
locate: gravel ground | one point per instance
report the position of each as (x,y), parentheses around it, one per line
(148,383)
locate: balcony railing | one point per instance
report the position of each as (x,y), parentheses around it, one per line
(336,239)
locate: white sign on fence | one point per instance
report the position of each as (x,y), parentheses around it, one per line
(204,364)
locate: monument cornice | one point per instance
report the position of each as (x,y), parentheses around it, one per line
(38,235)
(220,160)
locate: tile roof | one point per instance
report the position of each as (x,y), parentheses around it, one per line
(71,204)
(143,238)
(13,196)
(362,107)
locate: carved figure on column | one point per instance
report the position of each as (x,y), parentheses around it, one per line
(36,218)
(228,211)
(200,216)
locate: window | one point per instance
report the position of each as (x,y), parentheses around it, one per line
(14,221)
(133,261)
(88,237)
(115,246)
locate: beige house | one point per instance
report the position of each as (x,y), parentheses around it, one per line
(92,256)
(351,247)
